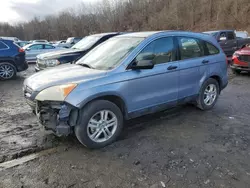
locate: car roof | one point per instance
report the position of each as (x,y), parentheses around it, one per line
(147,34)
(218,31)
(6,40)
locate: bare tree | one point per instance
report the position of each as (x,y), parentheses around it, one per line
(135,15)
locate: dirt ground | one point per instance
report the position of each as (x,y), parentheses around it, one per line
(182,147)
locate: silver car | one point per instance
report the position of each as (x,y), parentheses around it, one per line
(34,49)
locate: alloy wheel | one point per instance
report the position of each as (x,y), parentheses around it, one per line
(102,126)
(210,94)
(6,71)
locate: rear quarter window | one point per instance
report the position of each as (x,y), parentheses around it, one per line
(3,46)
(212,50)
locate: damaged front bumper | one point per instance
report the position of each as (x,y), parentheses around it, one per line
(57,116)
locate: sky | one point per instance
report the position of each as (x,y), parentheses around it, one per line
(14,11)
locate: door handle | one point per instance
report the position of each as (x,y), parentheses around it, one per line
(172,67)
(205,61)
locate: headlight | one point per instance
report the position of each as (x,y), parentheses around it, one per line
(55,93)
(52,62)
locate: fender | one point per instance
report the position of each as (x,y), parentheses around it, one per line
(103,95)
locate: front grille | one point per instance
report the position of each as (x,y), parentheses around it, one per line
(245,58)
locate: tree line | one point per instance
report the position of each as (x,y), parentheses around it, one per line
(135,15)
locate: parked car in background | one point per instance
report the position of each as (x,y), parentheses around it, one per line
(228,40)
(12,59)
(242,34)
(241,60)
(40,41)
(73,40)
(125,77)
(10,38)
(61,43)
(34,49)
(22,43)
(53,59)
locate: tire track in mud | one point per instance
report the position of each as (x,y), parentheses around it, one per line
(20,134)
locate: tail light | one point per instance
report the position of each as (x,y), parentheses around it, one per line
(21,50)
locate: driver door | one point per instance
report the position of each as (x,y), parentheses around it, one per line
(154,89)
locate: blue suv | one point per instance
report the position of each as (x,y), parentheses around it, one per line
(126,77)
(12,59)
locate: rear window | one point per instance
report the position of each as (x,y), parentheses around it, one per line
(49,47)
(212,49)
(3,46)
(190,48)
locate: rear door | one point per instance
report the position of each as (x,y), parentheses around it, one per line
(193,66)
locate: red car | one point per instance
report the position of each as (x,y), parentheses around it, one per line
(241,60)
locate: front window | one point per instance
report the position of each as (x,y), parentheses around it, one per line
(49,47)
(159,51)
(109,54)
(34,47)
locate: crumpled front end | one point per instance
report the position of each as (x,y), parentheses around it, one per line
(59,117)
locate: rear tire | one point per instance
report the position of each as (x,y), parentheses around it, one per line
(100,124)
(208,94)
(7,71)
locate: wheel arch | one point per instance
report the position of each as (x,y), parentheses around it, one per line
(8,61)
(218,79)
(114,98)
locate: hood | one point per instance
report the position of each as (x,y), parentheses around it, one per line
(244,51)
(69,73)
(60,53)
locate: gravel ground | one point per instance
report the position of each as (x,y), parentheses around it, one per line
(182,147)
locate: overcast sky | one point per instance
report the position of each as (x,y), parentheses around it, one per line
(13,11)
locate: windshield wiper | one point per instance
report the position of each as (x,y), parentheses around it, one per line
(87,65)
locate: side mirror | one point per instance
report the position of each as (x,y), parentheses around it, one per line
(223,38)
(143,64)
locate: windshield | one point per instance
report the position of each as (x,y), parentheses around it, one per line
(109,54)
(86,43)
(69,40)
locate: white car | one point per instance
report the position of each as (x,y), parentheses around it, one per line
(40,41)
(34,49)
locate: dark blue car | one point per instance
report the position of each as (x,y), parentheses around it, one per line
(12,59)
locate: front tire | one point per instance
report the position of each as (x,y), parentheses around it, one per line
(100,124)
(7,71)
(208,94)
